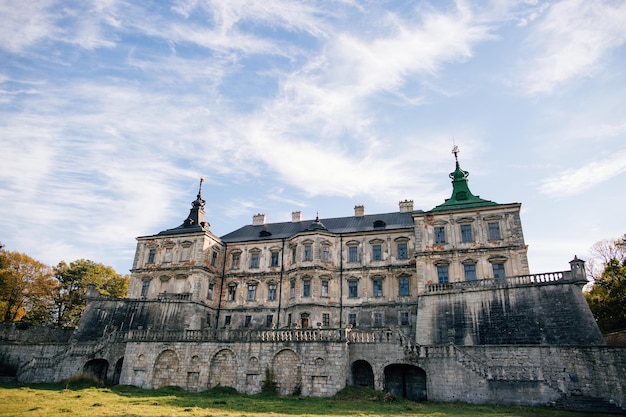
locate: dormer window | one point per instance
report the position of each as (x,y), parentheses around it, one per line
(379,224)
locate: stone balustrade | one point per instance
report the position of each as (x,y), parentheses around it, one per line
(533,279)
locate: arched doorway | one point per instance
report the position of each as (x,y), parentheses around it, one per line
(166,369)
(223,369)
(97,368)
(118,371)
(362,374)
(287,373)
(406,381)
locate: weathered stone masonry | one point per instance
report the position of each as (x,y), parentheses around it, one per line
(436,304)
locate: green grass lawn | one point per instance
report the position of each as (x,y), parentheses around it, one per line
(80,399)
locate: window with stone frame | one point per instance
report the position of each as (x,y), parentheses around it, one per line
(494,230)
(306,288)
(466,233)
(271,292)
(274,259)
(378,320)
(325,253)
(325,319)
(232,291)
(442,274)
(470,271)
(292,288)
(151,256)
(404,318)
(403,287)
(440,235)
(214,259)
(308,252)
(269,319)
(209,293)
(251,292)
(254,260)
(353,289)
(227,320)
(403,252)
(294,252)
(353,255)
(378,287)
(248,321)
(498,271)
(377,252)
(289,320)
(352,319)
(236,257)
(145,288)
(324,288)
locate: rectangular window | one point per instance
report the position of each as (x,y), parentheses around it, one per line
(404,318)
(352,254)
(403,252)
(251,292)
(324,288)
(353,289)
(442,274)
(271,294)
(352,319)
(214,259)
(306,288)
(292,289)
(498,272)
(466,233)
(274,259)
(269,319)
(226,320)
(378,320)
(293,255)
(151,256)
(289,320)
(326,254)
(308,253)
(377,252)
(378,288)
(254,260)
(470,272)
(248,321)
(403,287)
(494,231)
(326,320)
(440,235)
(167,258)
(232,289)
(145,287)
(209,293)
(236,257)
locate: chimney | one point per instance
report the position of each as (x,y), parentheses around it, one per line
(359,211)
(258,219)
(296,216)
(406,206)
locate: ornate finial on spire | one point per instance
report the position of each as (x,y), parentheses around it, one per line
(455,151)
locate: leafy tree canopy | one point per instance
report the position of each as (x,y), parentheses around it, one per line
(73,281)
(607,298)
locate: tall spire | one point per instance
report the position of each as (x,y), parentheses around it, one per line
(461,197)
(196,214)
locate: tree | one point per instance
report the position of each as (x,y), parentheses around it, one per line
(73,281)
(27,288)
(607,297)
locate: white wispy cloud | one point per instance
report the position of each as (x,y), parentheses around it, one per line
(572,41)
(576,181)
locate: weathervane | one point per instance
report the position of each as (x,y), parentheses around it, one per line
(455,151)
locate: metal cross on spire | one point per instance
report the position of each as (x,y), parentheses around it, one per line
(455,151)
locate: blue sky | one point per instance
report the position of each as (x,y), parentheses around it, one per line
(111,110)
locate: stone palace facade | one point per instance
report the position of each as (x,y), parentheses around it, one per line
(437,304)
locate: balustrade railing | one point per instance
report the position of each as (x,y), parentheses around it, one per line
(533,279)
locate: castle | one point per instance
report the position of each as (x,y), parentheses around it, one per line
(437,304)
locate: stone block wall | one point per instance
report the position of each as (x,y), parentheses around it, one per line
(312,368)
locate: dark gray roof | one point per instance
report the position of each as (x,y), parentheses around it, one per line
(385,221)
